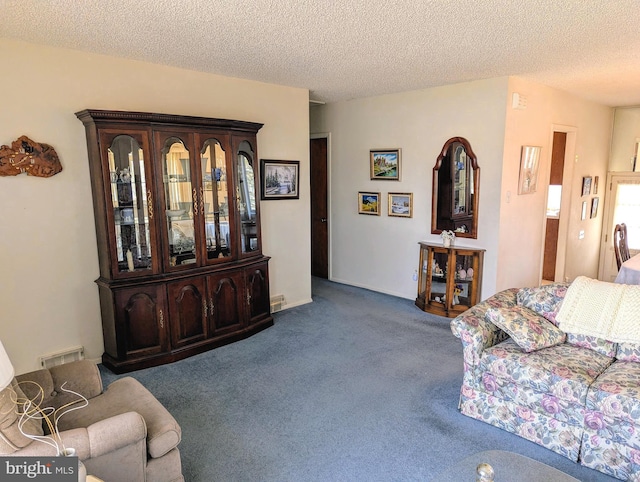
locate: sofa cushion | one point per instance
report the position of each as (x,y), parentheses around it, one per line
(11,437)
(561,371)
(544,300)
(628,352)
(503,366)
(606,348)
(615,395)
(528,329)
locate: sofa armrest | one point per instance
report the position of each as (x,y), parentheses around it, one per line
(80,376)
(477,333)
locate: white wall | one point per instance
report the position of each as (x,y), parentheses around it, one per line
(522,217)
(626,131)
(381,252)
(48,254)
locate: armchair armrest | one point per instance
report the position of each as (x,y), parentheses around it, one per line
(100,438)
(80,376)
(115,432)
(475,332)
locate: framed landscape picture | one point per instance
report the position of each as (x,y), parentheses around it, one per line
(280,179)
(401,204)
(384,164)
(594,207)
(369,203)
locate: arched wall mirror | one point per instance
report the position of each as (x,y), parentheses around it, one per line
(456,189)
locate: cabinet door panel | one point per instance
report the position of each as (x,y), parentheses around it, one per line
(467,276)
(258,293)
(215,218)
(188,310)
(247,185)
(130,210)
(226,294)
(179,199)
(140,314)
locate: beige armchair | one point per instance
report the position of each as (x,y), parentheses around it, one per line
(123,435)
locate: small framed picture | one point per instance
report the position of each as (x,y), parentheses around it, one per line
(586,185)
(401,204)
(584,211)
(595,185)
(594,207)
(280,179)
(369,203)
(384,164)
(529,161)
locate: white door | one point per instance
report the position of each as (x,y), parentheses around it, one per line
(622,205)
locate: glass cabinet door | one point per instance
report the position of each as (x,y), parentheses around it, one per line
(131,198)
(214,200)
(438,268)
(246,199)
(179,194)
(465,279)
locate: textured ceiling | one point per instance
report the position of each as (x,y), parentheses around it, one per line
(357,48)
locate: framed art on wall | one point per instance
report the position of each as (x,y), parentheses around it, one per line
(280,179)
(594,207)
(529,160)
(369,203)
(586,185)
(384,164)
(401,204)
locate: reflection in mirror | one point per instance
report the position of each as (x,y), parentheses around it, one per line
(456,177)
(215,203)
(247,198)
(178,202)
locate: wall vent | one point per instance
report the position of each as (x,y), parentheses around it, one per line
(61,357)
(277,303)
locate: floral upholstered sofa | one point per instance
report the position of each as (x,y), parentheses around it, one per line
(577,395)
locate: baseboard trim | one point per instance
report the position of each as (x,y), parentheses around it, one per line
(371,288)
(295,303)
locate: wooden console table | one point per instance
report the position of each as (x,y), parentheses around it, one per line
(450,279)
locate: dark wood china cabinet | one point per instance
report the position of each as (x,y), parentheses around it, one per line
(178,228)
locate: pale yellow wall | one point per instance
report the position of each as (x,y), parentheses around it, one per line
(522,217)
(381,252)
(626,132)
(48,256)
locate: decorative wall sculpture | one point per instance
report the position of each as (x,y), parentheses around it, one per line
(25,155)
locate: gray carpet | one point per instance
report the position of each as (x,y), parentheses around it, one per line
(356,386)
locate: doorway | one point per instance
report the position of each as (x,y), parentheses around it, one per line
(622,205)
(319,157)
(554,201)
(562,138)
